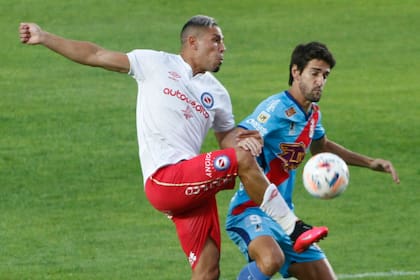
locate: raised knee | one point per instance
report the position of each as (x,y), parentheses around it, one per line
(209,274)
(270,264)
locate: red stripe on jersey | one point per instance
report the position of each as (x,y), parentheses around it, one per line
(292,157)
(279,167)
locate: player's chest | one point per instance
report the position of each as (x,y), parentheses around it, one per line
(190,98)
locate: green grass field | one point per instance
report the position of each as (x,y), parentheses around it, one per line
(72,204)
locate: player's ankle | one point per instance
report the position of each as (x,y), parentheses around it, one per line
(300,227)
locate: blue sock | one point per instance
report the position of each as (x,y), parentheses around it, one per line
(252,272)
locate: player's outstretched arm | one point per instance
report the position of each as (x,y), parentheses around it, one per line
(353,158)
(383,165)
(81,52)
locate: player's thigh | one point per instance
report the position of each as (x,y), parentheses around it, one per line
(258,237)
(313,270)
(195,228)
(208,171)
(208,265)
(266,251)
(188,184)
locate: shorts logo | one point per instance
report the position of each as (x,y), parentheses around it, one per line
(207,100)
(221,163)
(192,258)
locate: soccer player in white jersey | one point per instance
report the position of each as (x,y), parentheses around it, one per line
(290,124)
(179,101)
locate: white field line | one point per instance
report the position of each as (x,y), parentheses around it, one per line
(388,274)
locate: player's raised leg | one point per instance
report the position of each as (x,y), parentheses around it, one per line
(313,270)
(207,267)
(265,194)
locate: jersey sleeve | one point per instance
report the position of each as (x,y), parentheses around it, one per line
(141,62)
(224,119)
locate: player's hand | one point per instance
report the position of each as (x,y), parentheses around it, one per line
(250,140)
(30,33)
(385,166)
(252,145)
(244,133)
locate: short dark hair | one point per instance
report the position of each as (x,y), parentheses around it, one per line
(196,21)
(304,53)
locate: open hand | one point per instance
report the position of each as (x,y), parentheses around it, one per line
(385,166)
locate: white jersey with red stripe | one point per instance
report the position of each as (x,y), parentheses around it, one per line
(175,110)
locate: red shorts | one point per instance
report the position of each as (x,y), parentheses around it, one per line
(186,191)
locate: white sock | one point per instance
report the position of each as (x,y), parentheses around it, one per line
(275,206)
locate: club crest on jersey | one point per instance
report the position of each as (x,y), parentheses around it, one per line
(263,117)
(221,163)
(290,112)
(207,100)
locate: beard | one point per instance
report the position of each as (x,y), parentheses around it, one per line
(217,68)
(312,95)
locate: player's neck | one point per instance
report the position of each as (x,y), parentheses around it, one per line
(300,99)
(191,61)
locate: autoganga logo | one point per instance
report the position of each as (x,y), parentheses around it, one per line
(193,103)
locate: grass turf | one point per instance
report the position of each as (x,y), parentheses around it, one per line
(72,205)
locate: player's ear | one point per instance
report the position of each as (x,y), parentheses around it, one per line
(295,72)
(193,42)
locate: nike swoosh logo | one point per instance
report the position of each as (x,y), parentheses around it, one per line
(307,237)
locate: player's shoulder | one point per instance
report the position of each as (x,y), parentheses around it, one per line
(210,81)
(153,55)
(274,102)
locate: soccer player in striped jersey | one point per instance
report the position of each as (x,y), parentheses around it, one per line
(290,124)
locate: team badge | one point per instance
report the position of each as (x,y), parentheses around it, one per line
(221,163)
(290,112)
(263,117)
(207,100)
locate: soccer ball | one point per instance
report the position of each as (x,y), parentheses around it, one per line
(325,175)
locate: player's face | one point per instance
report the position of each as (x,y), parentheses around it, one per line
(210,49)
(313,78)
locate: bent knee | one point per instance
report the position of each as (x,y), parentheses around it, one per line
(271,264)
(210,273)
